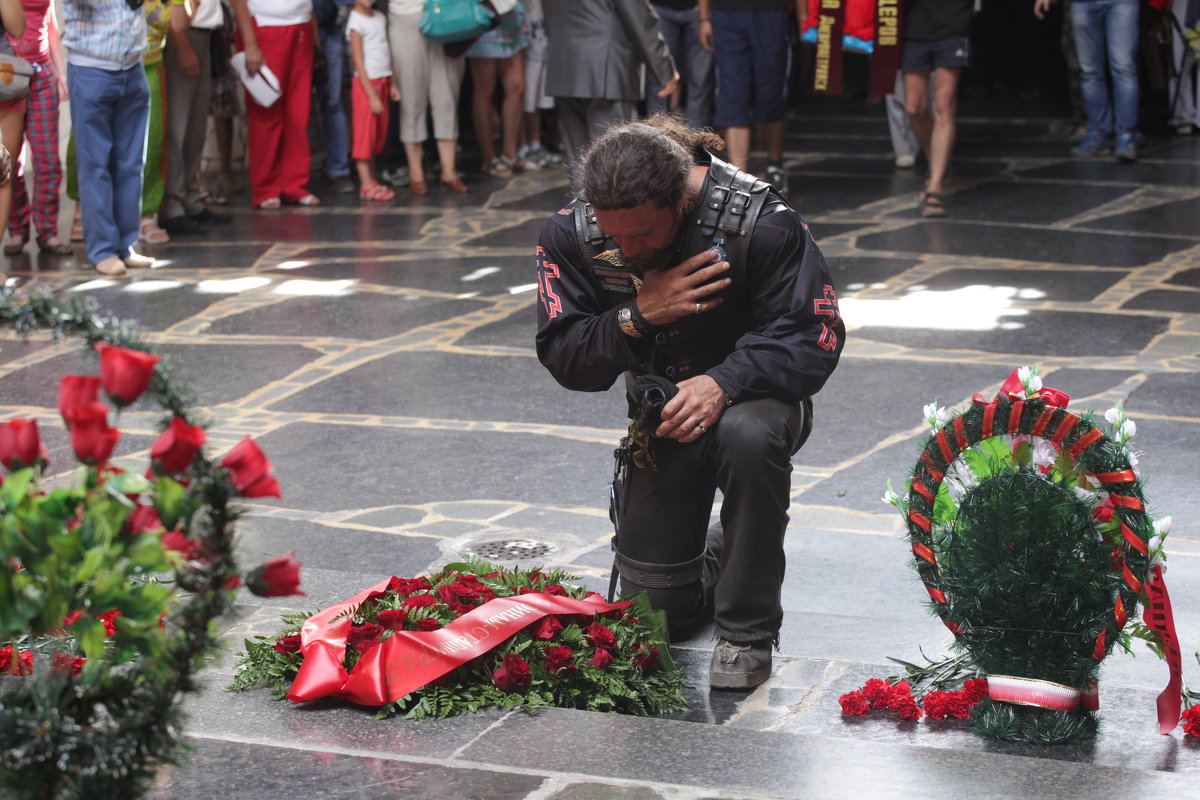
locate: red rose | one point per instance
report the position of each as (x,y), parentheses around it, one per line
(143,519)
(601,659)
(391,619)
(648,660)
(175,449)
(460,593)
(553,589)
(1191,721)
(74,390)
(428,624)
(250,470)
(91,438)
(512,673)
(545,628)
(598,635)
(288,644)
(975,689)
(875,691)
(409,586)
(460,608)
(175,540)
(363,637)
(109,618)
(558,658)
(19,444)
(279,577)
(124,373)
(854,704)
(420,601)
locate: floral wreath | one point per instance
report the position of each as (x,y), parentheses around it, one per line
(1096,472)
(99,646)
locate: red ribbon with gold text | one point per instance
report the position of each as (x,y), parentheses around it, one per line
(408,660)
(885,60)
(831,22)
(1157,615)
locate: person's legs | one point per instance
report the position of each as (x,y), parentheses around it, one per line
(1087,20)
(672,32)
(1121,32)
(572,113)
(265,127)
(916,105)
(41,124)
(945,107)
(131,113)
(12,133)
(295,78)
(179,97)
(94,97)
(196,127)
(904,141)
(484,74)
(735,85)
(445,82)
(700,76)
(512,78)
(333,113)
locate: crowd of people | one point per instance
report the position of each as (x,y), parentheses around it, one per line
(148,80)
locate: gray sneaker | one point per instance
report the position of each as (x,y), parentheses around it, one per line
(740,665)
(777,177)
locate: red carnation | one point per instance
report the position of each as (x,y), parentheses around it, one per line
(420,601)
(545,628)
(559,658)
(908,709)
(875,691)
(124,373)
(288,644)
(975,690)
(899,696)
(936,705)
(91,437)
(598,635)
(19,444)
(601,659)
(74,390)
(1191,721)
(957,705)
(61,662)
(279,577)
(428,624)
(250,470)
(363,637)
(175,449)
(512,673)
(14,662)
(392,619)
(854,704)
(109,618)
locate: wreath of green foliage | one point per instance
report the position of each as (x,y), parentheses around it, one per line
(104,733)
(621,687)
(1018,569)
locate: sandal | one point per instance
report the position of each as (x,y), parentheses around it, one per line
(498,167)
(15,245)
(270,203)
(376,191)
(56,248)
(454,185)
(932,205)
(419,188)
(77,229)
(309,200)
(151,233)
(208,198)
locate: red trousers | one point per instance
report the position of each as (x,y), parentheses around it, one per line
(370,129)
(277,137)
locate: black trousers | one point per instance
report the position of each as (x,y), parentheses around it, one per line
(665,515)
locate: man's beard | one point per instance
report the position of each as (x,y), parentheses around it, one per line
(662,259)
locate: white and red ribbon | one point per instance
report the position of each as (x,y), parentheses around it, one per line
(1042,694)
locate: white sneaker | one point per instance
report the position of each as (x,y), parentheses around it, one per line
(138,261)
(906,161)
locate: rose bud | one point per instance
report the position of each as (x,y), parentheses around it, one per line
(250,470)
(91,437)
(175,449)
(76,389)
(600,636)
(20,445)
(124,373)
(512,673)
(279,577)
(602,659)
(288,644)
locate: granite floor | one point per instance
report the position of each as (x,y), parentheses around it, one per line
(383,358)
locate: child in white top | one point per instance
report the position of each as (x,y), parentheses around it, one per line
(367,32)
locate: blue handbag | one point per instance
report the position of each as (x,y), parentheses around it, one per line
(454,20)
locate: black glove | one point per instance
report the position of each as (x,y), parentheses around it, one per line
(650,394)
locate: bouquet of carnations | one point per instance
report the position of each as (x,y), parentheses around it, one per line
(472,635)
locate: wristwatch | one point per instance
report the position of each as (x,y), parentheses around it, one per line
(625,322)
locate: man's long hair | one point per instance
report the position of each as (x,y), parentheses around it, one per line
(635,163)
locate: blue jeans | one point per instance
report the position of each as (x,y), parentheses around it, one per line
(333,112)
(110,110)
(1106,40)
(681,29)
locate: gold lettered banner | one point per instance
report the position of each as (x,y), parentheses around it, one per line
(889,23)
(831,22)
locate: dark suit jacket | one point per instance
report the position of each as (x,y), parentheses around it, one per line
(599,48)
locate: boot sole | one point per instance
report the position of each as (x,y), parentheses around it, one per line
(740,680)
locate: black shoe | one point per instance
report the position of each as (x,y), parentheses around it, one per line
(740,665)
(209,216)
(182,224)
(342,185)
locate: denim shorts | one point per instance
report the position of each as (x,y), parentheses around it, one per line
(925,56)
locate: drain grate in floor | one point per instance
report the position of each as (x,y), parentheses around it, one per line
(510,549)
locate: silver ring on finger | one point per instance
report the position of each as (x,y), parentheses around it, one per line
(699,307)
(700,426)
